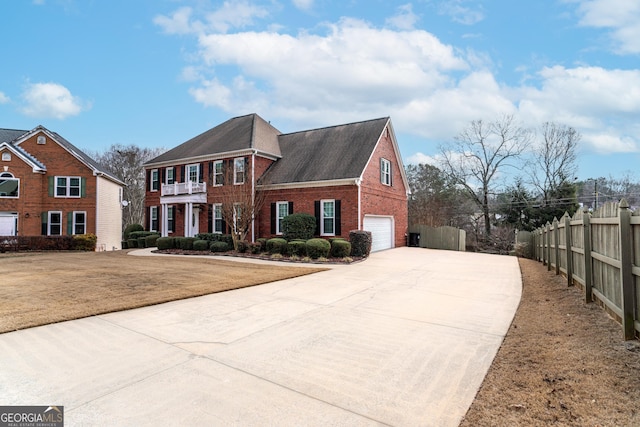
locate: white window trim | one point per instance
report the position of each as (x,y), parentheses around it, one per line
(49,222)
(166,175)
(216,174)
(278,218)
(74,222)
(322,217)
(9,176)
(155,179)
(236,170)
(187,178)
(385,173)
(153,210)
(213,226)
(67,187)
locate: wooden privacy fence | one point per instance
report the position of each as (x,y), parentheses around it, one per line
(601,254)
(449,238)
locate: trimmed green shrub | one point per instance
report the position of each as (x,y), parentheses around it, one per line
(298,226)
(255,248)
(85,242)
(340,248)
(200,245)
(263,243)
(360,243)
(165,243)
(216,237)
(318,248)
(124,244)
(131,227)
(276,245)
(132,243)
(297,248)
(243,246)
(151,240)
(219,247)
(185,243)
(142,242)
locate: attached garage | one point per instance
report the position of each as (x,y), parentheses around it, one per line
(381,228)
(8,223)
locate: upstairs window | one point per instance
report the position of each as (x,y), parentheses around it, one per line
(218,172)
(238,170)
(193,173)
(155,181)
(9,186)
(67,186)
(385,171)
(6,156)
(170,175)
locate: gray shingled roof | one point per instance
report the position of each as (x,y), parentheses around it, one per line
(337,152)
(11,135)
(239,133)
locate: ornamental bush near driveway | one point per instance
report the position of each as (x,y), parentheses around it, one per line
(318,248)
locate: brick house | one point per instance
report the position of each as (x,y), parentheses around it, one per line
(350,177)
(49,187)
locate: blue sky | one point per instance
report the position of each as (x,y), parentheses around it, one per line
(157,72)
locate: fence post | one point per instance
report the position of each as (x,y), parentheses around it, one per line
(588,275)
(567,226)
(556,244)
(548,249)
(626,273)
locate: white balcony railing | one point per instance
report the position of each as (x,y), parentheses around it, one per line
(184,188)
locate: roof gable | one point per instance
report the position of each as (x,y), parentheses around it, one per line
(331,153)
(236,134)
(24,156)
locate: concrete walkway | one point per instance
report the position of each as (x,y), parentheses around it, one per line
(404,338)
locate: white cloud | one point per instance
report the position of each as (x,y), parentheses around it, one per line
(4,98)
(232,14)
(405,19)
(421,159)
(303,4)
(621,17)
(44,100)
(460,13)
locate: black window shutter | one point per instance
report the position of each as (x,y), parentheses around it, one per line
(173,219)
(246,169)
(44,216)
(210,219)
(318,216)
(149,180)
(162,175)
(147,220)
(274,218)
(182,173)
(290,208)
(201,173)
(211,173)
(390,173)
(338,218)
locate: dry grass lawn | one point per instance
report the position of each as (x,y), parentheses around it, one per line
(41,288)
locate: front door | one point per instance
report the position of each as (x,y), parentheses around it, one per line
(195,221)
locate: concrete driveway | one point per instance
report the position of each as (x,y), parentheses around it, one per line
(404,338)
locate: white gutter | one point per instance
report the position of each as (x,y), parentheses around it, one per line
(358,183)
(253,196)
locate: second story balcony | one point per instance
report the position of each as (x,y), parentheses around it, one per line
(179,188)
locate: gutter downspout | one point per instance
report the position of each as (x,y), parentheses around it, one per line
(358,182)
(253,196)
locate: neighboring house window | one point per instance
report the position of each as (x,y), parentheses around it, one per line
(218,224)
(282,210)
(328,220)
(238,170)
(170,175)
(385,171)
(9,186)
(6,157)
(237,216)
(153,218)
(218,172)
(193,173)
(54,222)
(155,181)
(79,222)
(170,219)
(67,186)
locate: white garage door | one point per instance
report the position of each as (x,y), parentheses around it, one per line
(381,228)
(8,224)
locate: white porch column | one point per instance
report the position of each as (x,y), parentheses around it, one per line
(165,218)
(188,214)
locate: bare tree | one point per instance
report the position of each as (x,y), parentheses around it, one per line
(554,160)
(126,163)
(241,199)
(478,153)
